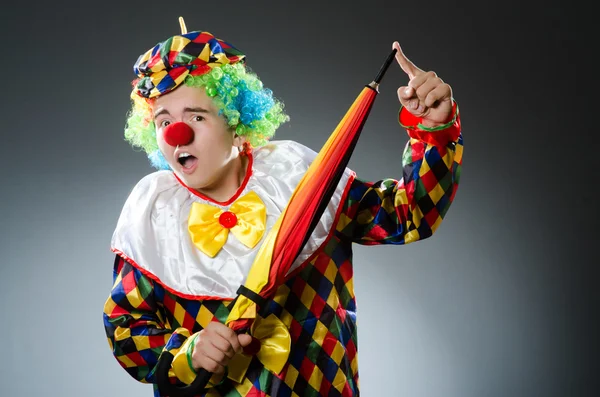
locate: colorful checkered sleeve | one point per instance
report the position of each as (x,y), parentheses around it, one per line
(410,209)
(135,324)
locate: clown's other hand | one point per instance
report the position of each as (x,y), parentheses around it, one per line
(426,95)
(216,345)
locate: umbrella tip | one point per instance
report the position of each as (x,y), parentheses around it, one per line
(385,67)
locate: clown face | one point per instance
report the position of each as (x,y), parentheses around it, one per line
(209,160)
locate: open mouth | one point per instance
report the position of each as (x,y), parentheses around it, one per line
(187,160)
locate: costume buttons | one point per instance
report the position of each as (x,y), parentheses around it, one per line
(228,219)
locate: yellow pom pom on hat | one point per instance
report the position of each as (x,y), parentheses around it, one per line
(165,66)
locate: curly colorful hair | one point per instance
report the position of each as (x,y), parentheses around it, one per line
(239,95)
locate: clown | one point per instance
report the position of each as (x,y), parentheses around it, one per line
(188,233)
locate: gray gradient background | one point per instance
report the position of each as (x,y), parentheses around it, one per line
(500,302)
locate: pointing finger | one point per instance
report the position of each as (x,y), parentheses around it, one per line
(405,64)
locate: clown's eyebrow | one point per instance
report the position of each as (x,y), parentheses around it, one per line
(161,111)
(185,110)
(195,110)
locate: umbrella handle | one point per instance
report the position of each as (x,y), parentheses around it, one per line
(167,389)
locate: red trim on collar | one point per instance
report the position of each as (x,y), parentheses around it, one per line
(234,197)
(153,277)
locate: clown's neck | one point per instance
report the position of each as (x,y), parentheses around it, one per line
(229,182)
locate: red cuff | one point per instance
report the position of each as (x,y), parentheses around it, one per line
(437,136)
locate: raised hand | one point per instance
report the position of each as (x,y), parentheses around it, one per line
(426,95)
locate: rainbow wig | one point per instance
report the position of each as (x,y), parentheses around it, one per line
(198,59)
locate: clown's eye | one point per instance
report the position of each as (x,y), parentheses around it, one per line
(198,118)
(164,123)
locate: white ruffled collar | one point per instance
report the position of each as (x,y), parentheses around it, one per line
(152,234)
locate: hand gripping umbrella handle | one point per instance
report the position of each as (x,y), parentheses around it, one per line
(167,389)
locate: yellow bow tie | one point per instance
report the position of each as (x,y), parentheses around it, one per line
(275,343)
(209,226)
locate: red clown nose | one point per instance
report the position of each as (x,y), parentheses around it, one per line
(178,134)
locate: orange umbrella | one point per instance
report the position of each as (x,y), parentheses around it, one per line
(291,231)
